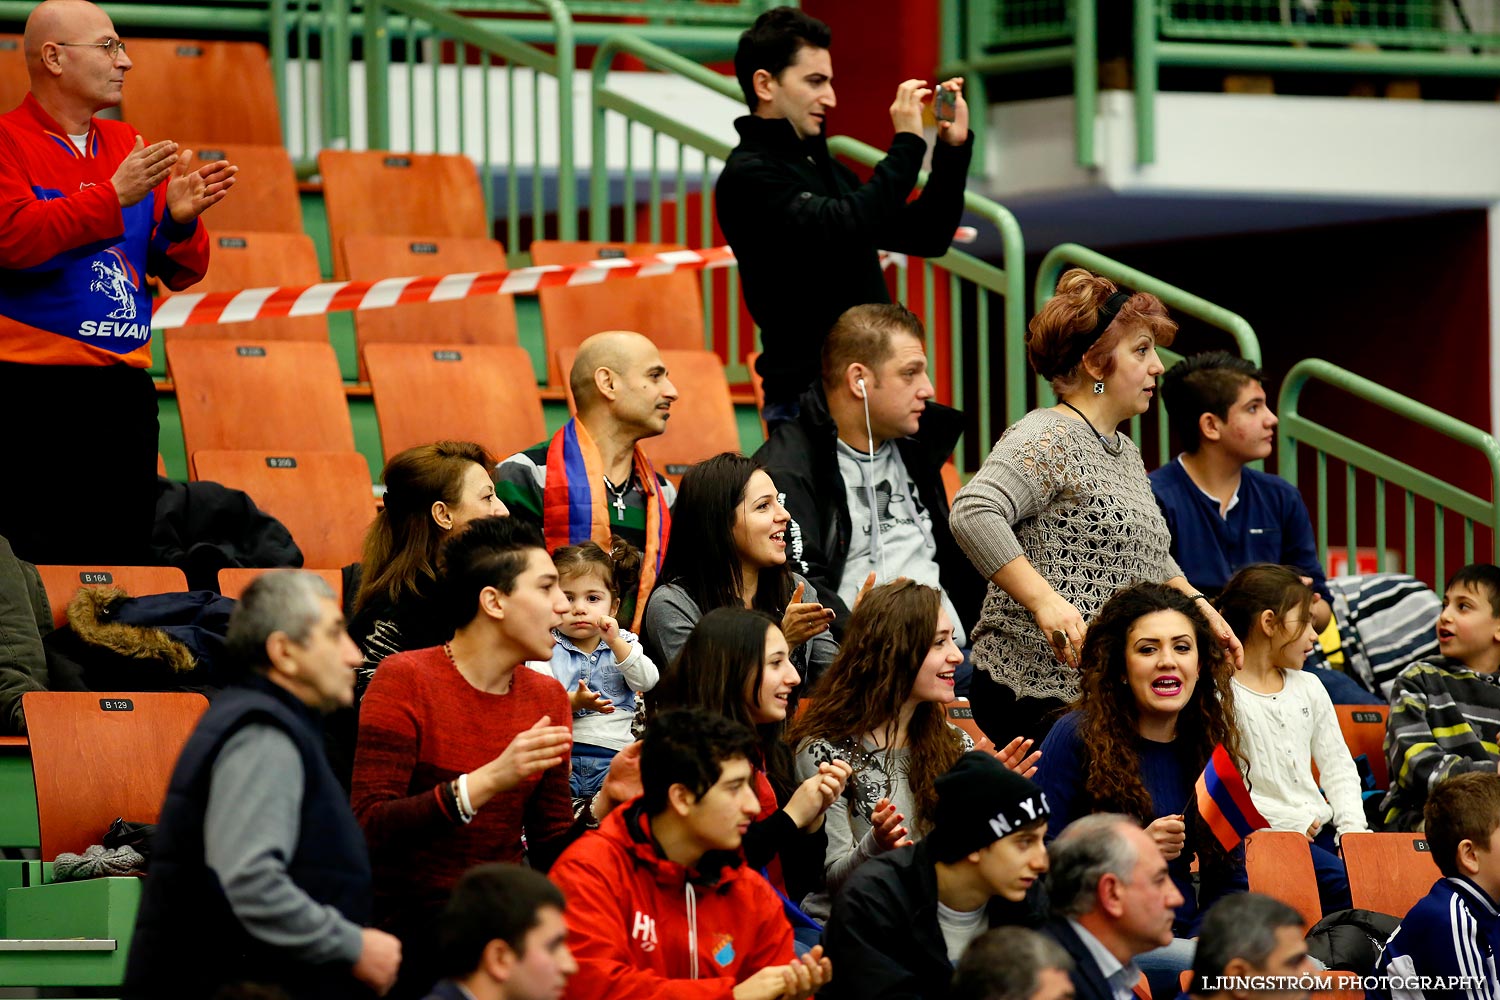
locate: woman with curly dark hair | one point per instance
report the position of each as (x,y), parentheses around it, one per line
(880,707)
(1156,698)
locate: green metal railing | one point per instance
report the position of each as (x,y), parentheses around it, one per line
(1385,472)
(451,64)
(667,141)
(1179,301)
(1408,37)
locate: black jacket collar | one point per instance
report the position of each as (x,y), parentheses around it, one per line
(778,135)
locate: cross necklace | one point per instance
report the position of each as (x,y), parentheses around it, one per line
(618,503)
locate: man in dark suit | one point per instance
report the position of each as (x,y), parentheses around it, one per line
(1112,900)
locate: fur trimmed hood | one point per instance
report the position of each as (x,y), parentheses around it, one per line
(90,615)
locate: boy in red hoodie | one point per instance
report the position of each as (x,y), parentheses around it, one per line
(660,902)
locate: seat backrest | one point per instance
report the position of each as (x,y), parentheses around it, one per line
(376,193)
(667,308)
(272,396)
(234,580)
(324,498)
(961,714)
(62,582)
(15,83)
(1363,727)
(702,424)
(487,319)
(265,198)
(243,259)
(215,91)
(434,392)
(1388,872)
(97,756)
(1279,864)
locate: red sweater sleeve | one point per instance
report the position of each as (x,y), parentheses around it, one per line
(34,230)
(599,925)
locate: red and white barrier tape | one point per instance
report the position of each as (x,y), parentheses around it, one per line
(195,308)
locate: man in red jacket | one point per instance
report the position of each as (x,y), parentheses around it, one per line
(87,211)
(660,903)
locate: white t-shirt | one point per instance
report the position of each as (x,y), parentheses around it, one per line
(904,545)
(959,928)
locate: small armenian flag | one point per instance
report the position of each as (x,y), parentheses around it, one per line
(1224,801)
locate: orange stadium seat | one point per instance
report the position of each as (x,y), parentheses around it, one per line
(668,308)
(206,91)
(702,423)
(62,582)
(1279,864)
(79,742)
(487,320)
(323,498)
(432,392)
(1363,727)
(1388,872)
(258,260)
(400,194)
(232,582)
(272,396)
(961,714)
(265,197)
(14,81)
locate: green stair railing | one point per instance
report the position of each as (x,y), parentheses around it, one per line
(670,177)
(1370,464)
(1177,300)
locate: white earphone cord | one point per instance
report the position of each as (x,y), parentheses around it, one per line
(877,549)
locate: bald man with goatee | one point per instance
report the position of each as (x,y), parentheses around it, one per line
(592,480)
(88,209)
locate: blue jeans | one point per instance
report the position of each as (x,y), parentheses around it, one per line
(1343,689)
(1164,966)
(1333,877)
(590,765)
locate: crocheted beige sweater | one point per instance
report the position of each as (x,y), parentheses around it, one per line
(1085,519)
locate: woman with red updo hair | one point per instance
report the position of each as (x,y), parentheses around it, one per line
(1061,515)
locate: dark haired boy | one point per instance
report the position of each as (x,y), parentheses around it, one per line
(1454,930)
(901,922)
(806,232)
(502,937)
(1224,516)
(660,901)
(1445,715)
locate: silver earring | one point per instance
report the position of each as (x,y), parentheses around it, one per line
(1098,388)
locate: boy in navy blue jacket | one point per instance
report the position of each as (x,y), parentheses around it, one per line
(1451,937)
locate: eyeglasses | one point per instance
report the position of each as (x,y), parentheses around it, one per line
(112,48)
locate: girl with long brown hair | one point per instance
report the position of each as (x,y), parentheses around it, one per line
(1157,697)
(880,707)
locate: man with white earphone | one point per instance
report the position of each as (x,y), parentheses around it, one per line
(861,469)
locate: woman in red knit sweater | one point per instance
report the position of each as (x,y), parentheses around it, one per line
(459,756)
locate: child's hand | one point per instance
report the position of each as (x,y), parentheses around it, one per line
(608,628)
(583,699)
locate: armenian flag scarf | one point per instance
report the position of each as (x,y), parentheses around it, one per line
(575,508)
(1224,801)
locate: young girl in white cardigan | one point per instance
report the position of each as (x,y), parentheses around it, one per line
(1287,722)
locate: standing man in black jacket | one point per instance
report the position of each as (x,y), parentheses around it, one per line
(805,230)
(902,920)
(871,432)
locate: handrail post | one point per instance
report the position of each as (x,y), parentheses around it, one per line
(377,76)
(1145,81)
(1085,78)
(567,170)
(276,36)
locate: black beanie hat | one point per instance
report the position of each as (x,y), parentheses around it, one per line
(980,800)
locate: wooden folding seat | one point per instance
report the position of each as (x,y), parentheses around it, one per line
(62,582)
(1388,872)
(271,396)
(488,319)
(667,308)
(265,197)
(15,83)
(961,714)
(323,498)
(1279,864)
(484,393)
(240,260)
(1363,727)
(702,424)
(233,581)
(214,91)
(96,756)
(400,194)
